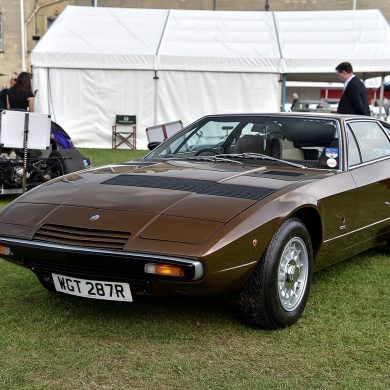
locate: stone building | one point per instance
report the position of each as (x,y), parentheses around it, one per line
(39,14)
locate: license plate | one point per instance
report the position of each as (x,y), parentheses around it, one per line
(95,289)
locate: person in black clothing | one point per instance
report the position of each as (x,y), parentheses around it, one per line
(354,98)
(20,96)
(295,100)
(4,91)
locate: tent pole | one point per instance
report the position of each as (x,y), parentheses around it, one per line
(284,92)
(155,78)
(48,91)
(22,36)
(155,67)
(381,95)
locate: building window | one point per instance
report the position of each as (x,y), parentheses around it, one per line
(1,32)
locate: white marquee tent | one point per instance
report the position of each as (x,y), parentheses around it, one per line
(313,43)
(164,65)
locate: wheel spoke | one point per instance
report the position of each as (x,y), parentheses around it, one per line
(292,273)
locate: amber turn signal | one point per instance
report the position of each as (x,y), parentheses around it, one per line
(5,251)
(164,270)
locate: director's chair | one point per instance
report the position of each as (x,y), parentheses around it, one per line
(124,131)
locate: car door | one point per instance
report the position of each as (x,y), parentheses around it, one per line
(369,165)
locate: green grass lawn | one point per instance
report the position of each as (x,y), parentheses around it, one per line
(100,157)
(55,341)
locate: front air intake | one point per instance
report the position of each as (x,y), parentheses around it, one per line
(92,238)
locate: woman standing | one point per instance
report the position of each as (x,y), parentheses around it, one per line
(20,96)
(4,91)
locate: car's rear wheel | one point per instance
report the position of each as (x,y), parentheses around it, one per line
(276,294)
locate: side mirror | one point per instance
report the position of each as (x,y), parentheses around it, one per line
(153,145)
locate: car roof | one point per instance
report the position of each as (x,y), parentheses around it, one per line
(322,115)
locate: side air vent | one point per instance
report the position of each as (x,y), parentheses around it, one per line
(82,237)
(237,191)
(166,183)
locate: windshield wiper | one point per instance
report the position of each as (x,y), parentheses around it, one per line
(258,156)
(217,157)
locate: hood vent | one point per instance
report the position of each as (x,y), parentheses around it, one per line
(283,173)
(201,187)
(237,191)
(71,235)
(165,183)
(278,175)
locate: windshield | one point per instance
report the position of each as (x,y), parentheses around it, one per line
(307,141)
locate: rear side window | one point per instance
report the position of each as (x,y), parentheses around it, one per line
(371,139)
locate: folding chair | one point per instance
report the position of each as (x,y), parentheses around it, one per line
(124,131)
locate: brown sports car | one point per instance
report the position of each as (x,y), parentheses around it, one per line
(246,204)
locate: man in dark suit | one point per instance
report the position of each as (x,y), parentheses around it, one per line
(354,99)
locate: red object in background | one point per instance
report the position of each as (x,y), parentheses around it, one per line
(333,94)
(330,94)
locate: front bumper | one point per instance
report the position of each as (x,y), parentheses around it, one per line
(45,258)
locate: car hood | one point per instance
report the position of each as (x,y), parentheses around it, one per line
(176,200)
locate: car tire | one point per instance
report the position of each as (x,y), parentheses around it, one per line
(276,294)
(46,282)
(70,160)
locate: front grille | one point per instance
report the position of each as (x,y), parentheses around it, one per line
(71,235)
(98,269)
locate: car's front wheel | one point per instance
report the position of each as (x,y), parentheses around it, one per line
(277,291)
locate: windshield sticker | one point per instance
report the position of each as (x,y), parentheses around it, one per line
(331,152)
(331,163)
